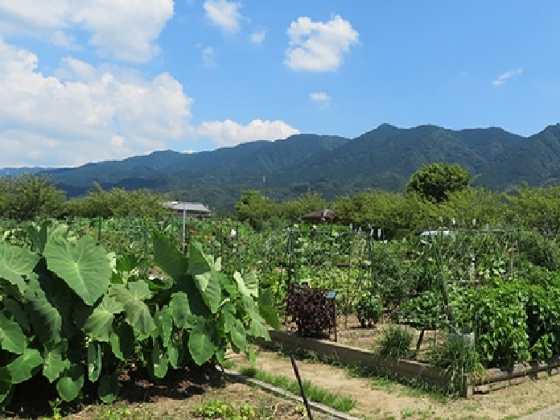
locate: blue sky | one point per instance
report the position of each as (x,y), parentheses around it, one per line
(91,80)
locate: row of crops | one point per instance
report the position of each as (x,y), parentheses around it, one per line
(81,300)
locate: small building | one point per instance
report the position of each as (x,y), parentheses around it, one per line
(188,209)
(321,216)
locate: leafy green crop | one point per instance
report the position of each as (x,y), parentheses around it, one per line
(75,314)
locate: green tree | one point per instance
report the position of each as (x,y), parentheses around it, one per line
(436,181)
(256,208)
(29,197)
(117,202)
(305,203)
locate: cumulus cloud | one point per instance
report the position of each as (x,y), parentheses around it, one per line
(122,29)
(504,77)
(84,113)
(224,14)
(229,133)
(321,97)
(257,37)
(319,46)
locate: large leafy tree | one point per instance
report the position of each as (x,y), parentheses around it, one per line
(256,208)
(117,202)
(29,197)
(436,181)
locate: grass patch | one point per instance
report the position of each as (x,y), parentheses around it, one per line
(312,392)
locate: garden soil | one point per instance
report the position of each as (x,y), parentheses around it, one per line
(181,392)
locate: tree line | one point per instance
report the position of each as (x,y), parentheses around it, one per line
(436,196)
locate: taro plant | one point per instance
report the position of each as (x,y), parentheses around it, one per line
(76,315)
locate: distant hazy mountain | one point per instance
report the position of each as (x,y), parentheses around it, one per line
(384,158)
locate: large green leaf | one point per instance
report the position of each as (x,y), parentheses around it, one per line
(71,383)
(201,343)
(94,361)
(12,338)
(45,317)
(100,323)
(122,341)
(238,336)
(16,264)
(84,266)
(267,309)
(168,257)
(15,309)
(248,285)
(160,363)
(199,266)
(24,367)
(164,323)
(137,312)
(55,360)
(109,388)
(181,311)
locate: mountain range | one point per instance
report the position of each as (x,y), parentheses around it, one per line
(382,158)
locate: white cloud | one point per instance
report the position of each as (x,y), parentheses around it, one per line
(319,46)
(257,37)
(224,14)
(320,97)
(504,77)
(123,29)
(229,133)
(84,113)
(208,57)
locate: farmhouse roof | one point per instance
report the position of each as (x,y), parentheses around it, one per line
(186,206)
(325,215)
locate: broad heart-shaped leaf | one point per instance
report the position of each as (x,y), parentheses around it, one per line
(12,338)
(247,284)
(15,309)
(164,322)
(199,267)
(168,257)
(24,367)
(16,263)
(94,361)
(132,297)
(71,383)
(38,235)
(267,309)
(109,388)
(238,336)
(100,323)
(84,266)
(180,310)
(45,318)
(201,341)
(55,360)
(228,316)
(6,390)
(122,341)
(159,366)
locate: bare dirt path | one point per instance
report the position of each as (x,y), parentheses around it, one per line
(383,399)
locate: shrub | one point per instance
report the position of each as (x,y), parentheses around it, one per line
(310,309)
(396,341)
(369,309)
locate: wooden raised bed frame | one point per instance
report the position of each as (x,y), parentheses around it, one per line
(410,369)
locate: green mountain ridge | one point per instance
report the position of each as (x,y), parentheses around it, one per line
(384,157)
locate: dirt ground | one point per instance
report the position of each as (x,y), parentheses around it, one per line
(182,392)
(378,398)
